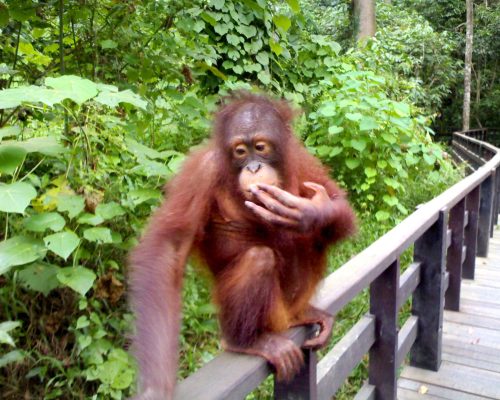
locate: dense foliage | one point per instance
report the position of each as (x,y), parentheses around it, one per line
(100,102)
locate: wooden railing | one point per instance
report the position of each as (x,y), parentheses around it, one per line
(447,233)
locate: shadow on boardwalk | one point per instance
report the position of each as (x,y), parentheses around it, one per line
(471,342)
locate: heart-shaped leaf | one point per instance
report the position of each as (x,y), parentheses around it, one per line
(15,197)
(79,279)
(62,243)
(19,250)
(44,221)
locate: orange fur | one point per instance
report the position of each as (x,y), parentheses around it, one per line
(264,275)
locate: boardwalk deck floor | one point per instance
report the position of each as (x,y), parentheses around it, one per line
(471,342)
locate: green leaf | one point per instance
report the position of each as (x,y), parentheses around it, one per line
(14,356)
(335,150)
(327,109)
(402,109)
(72,204)
(263,58)
(79,279)
(218,4)
(139,196)
(221,29)
(233,39)
(90,219)
(109,210)
(108,44)
(62,243)
(282,22)
(333,129)
(352,163)
(99,235)
(294,5)
(4,19)
(15,197)
(140,150)
(382,164)
(40,277)
(264,77)
(323,150)
(370,172)
(390,200)
(9,131)
(46,145)
(382,215)
(275,47)
(73,87)
(19,250)
(389,137)
(14,97)
(150,168)
(429,158)
(248,31)
(113,99)
(5,328)
(354,116)
(368,124)
(10,158)
(358,144)
(44,221)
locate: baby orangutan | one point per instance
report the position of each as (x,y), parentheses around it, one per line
(261,212)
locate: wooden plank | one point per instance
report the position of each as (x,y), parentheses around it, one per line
(406,338)
(472,320)
(458,377)
(404,394)
(367,392)
(484,283)
(433,390)
(470,307)
(338,363)
(472,334)
(471,351)
(408,283)
(382,370)
(468,344)
(485,294)
(230,375)
(471,362)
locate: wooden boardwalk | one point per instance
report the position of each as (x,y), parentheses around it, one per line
(471,342)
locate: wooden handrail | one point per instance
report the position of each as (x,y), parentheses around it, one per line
(466,210)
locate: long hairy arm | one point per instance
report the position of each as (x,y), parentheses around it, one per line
(156,271)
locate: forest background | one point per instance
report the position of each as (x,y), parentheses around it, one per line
(101,100)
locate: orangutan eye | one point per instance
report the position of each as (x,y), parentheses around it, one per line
(261,147)
(240,151)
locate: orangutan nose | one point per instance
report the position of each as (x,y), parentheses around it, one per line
(254,167)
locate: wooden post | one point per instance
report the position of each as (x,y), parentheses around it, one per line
(383,305)
(485,212)
(494,204)
(303,386)
(470,234)
(494,220)
(428,298)
(454,256)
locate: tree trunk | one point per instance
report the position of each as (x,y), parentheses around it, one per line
(468,66)
(364,18)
